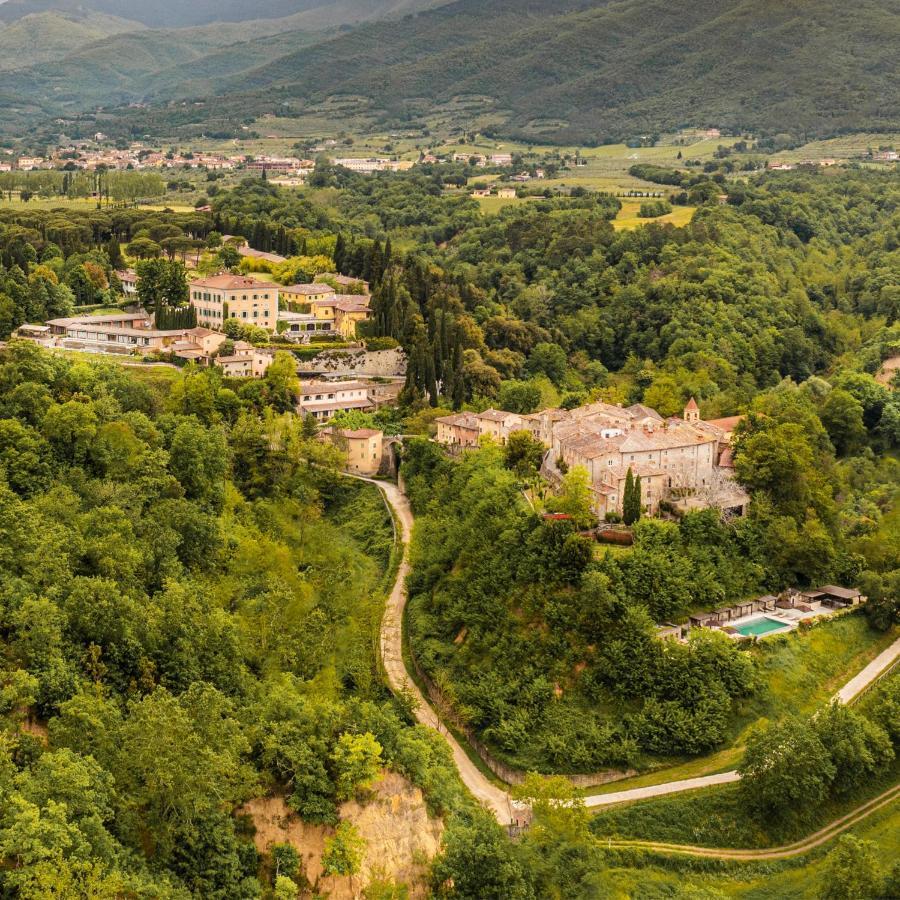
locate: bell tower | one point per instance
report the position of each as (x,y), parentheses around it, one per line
(692,411)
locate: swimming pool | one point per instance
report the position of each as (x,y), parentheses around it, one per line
(760,626)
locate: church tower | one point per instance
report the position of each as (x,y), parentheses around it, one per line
(692,411)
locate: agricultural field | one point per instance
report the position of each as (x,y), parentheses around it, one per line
(15,202)
(846,147)
(629,217)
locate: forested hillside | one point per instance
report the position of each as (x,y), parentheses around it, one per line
(187,604)
(587,72)
(607,71)
(584,72)
(188,597)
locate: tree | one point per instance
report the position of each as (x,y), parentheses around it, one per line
(883,593)
(356,760)
(521,397)
(343,854)
(179,758)
(523,454)
(574,498)
(851,871)
(199,460)
(285,888)
(286,860)
(478,862)
(858,748)
(282,382)
(786,770)
(557,805)
(144,248)
(842,415)
(631,499)
(161,283)
(547,359)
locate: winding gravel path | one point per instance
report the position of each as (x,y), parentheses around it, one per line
(498,801)
(494,798)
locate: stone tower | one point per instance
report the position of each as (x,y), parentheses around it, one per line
(692,411)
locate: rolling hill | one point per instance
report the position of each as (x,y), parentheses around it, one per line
(581,71)
(43,37)
(177,14)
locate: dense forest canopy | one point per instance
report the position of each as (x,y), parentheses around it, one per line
(188,600)
(187,586)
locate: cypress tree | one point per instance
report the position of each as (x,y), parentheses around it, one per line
(631,503)
(430,381)
(339,255)
(459,384)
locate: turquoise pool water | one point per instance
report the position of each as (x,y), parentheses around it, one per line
(762,625)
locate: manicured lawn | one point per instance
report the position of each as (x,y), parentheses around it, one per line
(628,217)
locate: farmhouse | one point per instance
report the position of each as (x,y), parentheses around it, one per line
(247,361)
(364,447)
(322,399)
(128,280)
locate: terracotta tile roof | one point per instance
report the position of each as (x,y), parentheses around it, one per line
(460,420)
(309,289)
(233,283)
(728,423)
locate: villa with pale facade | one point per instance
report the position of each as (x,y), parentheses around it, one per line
(224,297)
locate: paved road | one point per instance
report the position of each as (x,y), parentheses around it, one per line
(783,852)
(660,790)
(495,799)
(872,671)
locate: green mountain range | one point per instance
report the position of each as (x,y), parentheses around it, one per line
(580,71)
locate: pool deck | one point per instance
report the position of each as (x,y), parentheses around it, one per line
(790,618)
